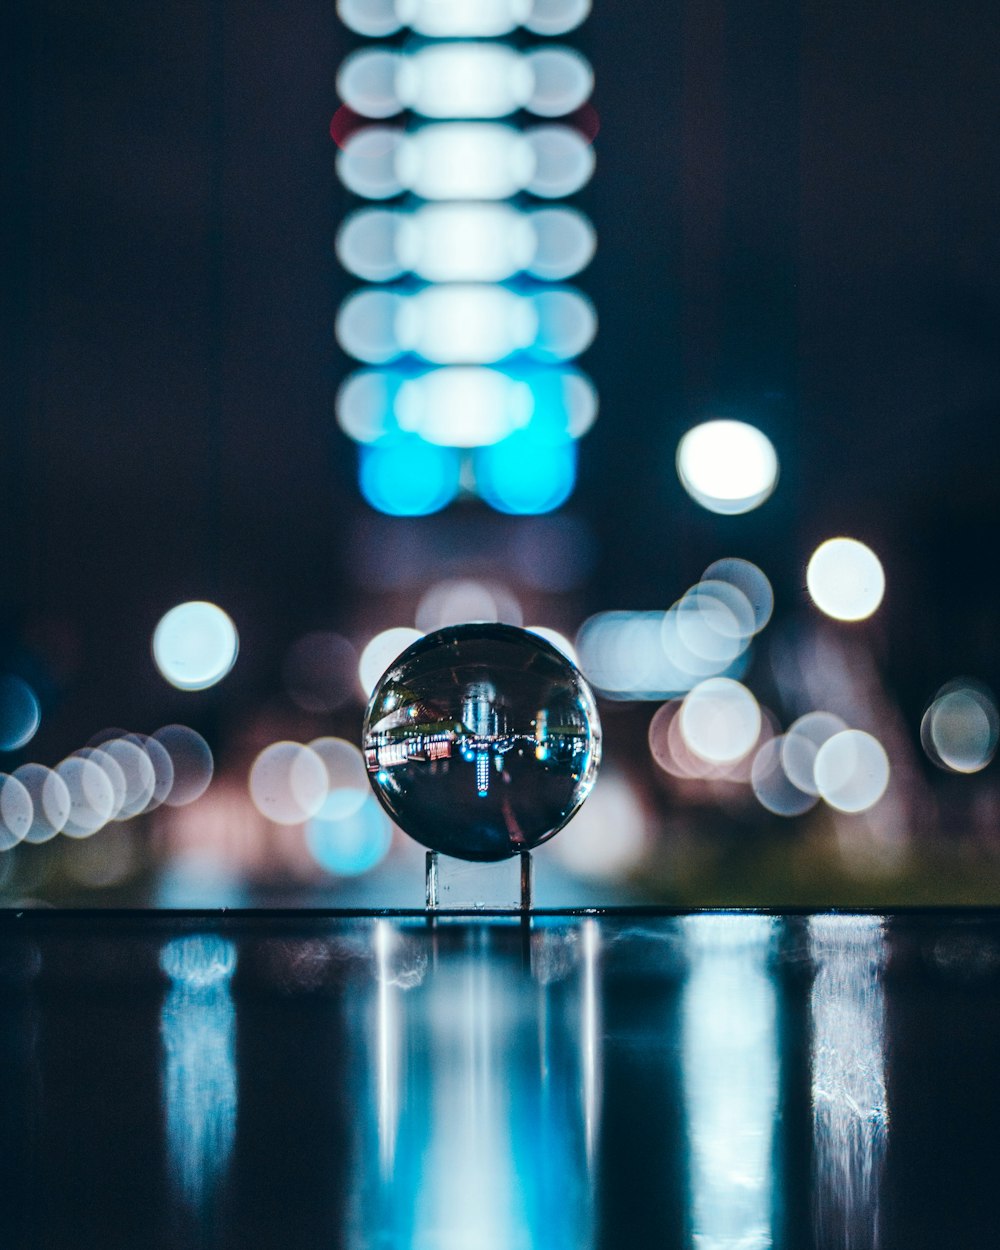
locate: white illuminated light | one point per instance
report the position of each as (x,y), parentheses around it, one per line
(16,812)
(465,160)
(555,17)
(380,653)
(50,797)
(560,81)
(773,786)
(801,745)
(750,581)
(607,839)
(729,1061)
(288,783)
(367,82)
(720,720)
(367,244)
(465,80)
(463,407)
(850,1107)
(563,161)
(462,242)
(564,243)
(845,579)
(960,729)
(459,323)
(374,18)
(851,771)
(195,645)
(728,467)
(367,162)
(444,19)
(558,640)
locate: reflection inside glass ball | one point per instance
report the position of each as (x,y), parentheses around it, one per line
(482,741)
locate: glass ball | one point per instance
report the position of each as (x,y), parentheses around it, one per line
(482,741)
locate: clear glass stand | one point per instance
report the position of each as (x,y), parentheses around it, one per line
(457,885)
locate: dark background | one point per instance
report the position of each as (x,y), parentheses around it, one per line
(797,211)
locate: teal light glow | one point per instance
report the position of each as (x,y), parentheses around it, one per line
(405,476)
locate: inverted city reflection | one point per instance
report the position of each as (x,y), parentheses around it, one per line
(730,1070)
(482,740)
(198,1025)
(850,1110)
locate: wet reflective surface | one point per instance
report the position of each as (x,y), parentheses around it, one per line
(482,741)
(583,1081)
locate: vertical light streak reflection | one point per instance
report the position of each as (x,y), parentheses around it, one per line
(730,1067)
(198,1026)
(591,1039)
(388,1049)
(850,1111)
(469,1198)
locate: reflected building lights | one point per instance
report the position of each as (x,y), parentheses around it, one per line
(198,1026)
(591,1032)
(388,1050)
(730,1067)
(468,330)
(850,1109)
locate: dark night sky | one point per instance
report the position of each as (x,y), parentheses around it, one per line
(797,208)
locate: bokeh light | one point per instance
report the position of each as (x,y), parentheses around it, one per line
(845,579)
(960,728)
(288,783)
(344,764)
(463,18)
(366,164)
(456,242)
(464,161)
(728,467)
(91,795)
(380,653)
(558,640)
(16,812)
(137,773)
(191,761)
(607,839)
(406,476)
(752,583)
(50,798)
(114,772)
(374,18)
(801,744)
(195,645)
(772,785)
(20,714)
(720,720)
(561,161)
(851,771)
(526,476)
(348,838)
(464,80)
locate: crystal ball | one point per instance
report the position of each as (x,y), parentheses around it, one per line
(482,740)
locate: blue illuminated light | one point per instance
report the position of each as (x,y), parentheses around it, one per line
(525,476)
(404,476)
(348,838)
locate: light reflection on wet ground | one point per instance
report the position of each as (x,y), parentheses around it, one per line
(715,1081)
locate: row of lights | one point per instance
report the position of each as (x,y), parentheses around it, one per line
(468,327)
(118,777)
